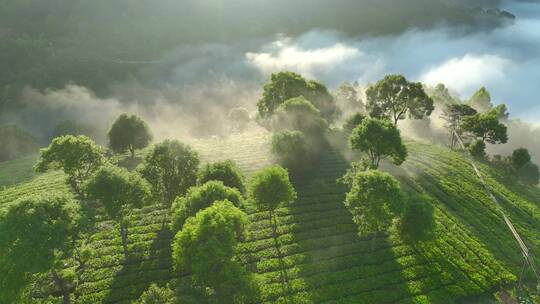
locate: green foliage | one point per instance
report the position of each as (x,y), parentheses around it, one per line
(200,198)
(478,149)
(226,171)
(379,139)
(374,200)
(353,121)
(129,132)
(270,187)
(238,118)
(37,230)
(395,98)
(118,190)
(77,156)
(486,126)
(348,98)
(291,150)
(171,168)
(417,222)
(520,157)
(206,246)
(501,111)
(286,85)
(157,295)
(299,114)
(481,100)
(454,114)
(15,143)
(529,173)
(441,95)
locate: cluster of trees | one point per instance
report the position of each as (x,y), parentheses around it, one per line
(206,211)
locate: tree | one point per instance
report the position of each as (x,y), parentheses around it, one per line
(226,171)
(529,173)
(16,143)
(200,198)
(441,95)
(353,121)
(69,127)
(129,132)
(348,98)
(171,168)
(520,157)
(120,191)
(38,231)
(286,85)
(379,139)
(481,100)
(77,156)
(157,295)
(374,200)
(486,127)
(417,223)
(206,247)
(453,114)
(478,149)
(501,112)
(270,187)
(238,118)
(394,97)
(299,114)
(291,150)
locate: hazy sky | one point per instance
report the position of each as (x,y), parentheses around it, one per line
(506,60)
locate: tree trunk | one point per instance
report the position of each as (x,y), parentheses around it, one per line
(132,151)
(124,235)
(63,287)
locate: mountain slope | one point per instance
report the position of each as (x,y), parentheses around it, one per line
(316,255)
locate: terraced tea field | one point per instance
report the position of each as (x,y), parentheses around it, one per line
(316,255)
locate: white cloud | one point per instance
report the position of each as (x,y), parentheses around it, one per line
(287,56)
(468,73)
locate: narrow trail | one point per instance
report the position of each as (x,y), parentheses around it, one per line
(524,249)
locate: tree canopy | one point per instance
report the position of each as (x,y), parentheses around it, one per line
(486,127)
(270,187)
(454,114)
(120,191)
(395,98)
(225,171)
(129,132)
(299,114)
(481,100)
(291,150)
(199,198)
(238,118)
(374,200)
(520,157)
(37,230)
(77,156)
(171,168)
(348,98)
(379,139)
(286,85)
(353,121)
(206,246)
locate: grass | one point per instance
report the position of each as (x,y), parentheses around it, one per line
(316,255)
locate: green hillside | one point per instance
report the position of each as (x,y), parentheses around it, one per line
(317,256)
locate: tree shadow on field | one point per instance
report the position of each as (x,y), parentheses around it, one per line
(335,264)
(147,264)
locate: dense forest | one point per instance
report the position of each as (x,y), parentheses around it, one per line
(117,188)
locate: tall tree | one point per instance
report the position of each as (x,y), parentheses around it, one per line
(379,139)
(395,98)
(520,157)
(453,114)
(129,132)
(286,85)
(481,100)
(120,191)
(299,114)
(486,127)
(200,198)
(374,200)
(225,171)
(77,156)
(37,232)
(348,98)
(171,168)
(206,247)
